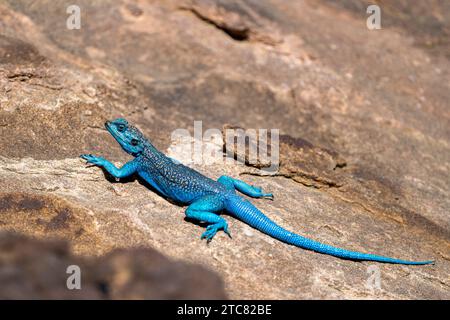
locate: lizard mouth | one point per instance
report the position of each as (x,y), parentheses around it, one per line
(116,135)
(110,130)
(107,126)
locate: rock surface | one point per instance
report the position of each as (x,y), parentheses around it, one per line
(37,269)
(378,99)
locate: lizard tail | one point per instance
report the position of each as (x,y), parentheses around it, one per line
(248,213)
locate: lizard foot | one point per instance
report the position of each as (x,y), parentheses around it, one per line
(212,229)
(261,194)
(268,196)
(93,159)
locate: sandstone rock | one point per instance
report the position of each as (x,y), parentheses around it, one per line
(295,158)
(337,91)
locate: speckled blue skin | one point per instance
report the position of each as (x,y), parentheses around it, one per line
(205,197)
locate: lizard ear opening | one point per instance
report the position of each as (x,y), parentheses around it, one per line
(134,142)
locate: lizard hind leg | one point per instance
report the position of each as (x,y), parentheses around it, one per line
(205,209)
(247,189)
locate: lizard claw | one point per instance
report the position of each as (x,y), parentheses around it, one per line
(227,232)
(210,232)
(92,159)
(212,229)
(268,196)
(260,193)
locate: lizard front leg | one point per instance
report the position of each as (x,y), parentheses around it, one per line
(205,209)
(125,171)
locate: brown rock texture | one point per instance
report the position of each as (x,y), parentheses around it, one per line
(364,147)
(38,269)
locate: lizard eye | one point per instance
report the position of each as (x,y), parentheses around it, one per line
(121,127)
(134,142)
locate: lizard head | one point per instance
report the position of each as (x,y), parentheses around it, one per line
(129,137)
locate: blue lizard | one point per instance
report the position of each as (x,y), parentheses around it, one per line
(205,197)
